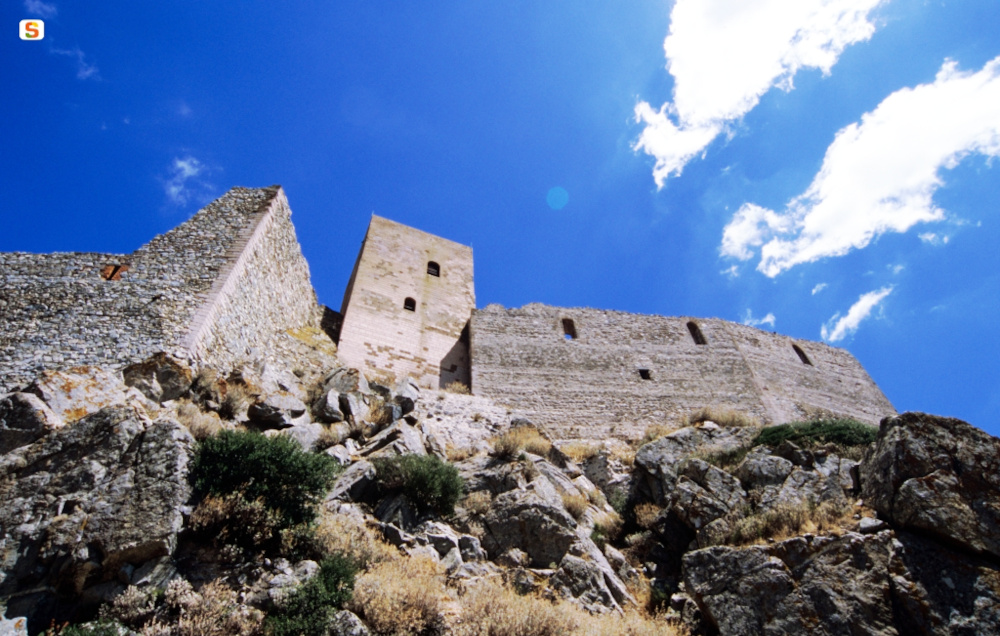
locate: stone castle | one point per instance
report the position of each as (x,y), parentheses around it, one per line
(219,289)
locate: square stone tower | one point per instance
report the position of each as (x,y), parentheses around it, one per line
(407,306)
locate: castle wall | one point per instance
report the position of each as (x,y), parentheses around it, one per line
(209,287)
(590,386)
(378,332)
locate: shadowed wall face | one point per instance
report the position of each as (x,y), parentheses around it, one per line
(588,373)
(218,287)
(407,305)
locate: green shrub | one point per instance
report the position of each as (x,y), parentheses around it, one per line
(273,470)
(842,432)
(309,608)
(424,479)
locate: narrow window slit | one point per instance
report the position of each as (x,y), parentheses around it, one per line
(433,269)
(409,304)
(699,338)
(802,355)
(645,375)
(569,329)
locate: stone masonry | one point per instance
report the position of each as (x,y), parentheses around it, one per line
(217,289)
(407,305)
(589,373)
(222,287)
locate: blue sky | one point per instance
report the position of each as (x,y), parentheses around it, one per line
(821,168)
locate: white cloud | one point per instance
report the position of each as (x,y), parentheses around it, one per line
(847,325)
(934,238)
(895,269)
(818,288)
(724,55)
(84,69)
(748,319)
(878,175)
(184,183)
(41,9)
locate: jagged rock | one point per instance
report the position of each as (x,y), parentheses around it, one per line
(795,454)
(941,592)
(79,504)
(305,434)
(655,472)
(939,476)
(867,525)
(452,561)
(522,519)
(277,410)
(274,379)
(161,377)
(514,558)
(804,487)
(355,405)
(704,493)
(826,586)
(582,581)
(346,381)
(586,549)
(760,468)
(23,419)
(327,408)
(339,453)
(471,548)
(400,511)
(405,439)
(406,394)
(844,471)
(346,623)
(80,391)
(356,483)
(608,474)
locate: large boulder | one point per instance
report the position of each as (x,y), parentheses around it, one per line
(521,519)
(86,504)
(278,410)
(938,476)
(656,463)
(161,377)
(804,585)
(23,419)
(76,392)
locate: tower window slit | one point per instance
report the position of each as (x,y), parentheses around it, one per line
(802,355)
(409,304)
(699,338)
(569,329)
(433,269)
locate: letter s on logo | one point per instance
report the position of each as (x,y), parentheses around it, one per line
(31,30)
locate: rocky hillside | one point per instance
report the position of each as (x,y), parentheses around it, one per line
(162,499)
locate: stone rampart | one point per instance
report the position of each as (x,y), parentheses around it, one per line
(588,373)
(216,288)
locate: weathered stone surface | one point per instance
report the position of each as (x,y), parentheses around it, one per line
(74,393)
(305,434)
(656,463)
(704,493)
(356,483)
(826,586)
(522,519)
(939,476)
(583,582)
(160,377)
(23,419)
(17,626)
(354,404)
(327,408)
(346,623)
(406,438)
(277,410)
(760,468)
(942,592)
(82,502)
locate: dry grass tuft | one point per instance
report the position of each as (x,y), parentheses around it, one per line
(575,505)
(580,451)
(784,521)
(213,611)
(235,399)
(493,609)
(404,597)
(723,417)
(655,432)
(478,502)
(351,537)
(526,438)
(458,387)
(200,423)
(458,453)
(646,514)
(378,415)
